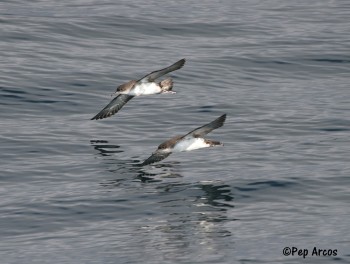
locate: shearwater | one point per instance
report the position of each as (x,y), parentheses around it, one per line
(144,86)
(191,141)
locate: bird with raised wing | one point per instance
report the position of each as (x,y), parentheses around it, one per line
(144,86)
(191,141)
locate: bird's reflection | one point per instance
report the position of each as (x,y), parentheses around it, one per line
(193,213)
(163,174)
(217,195)
(159,172)
(105,149)
(187,211)
(212,198)
(130,168)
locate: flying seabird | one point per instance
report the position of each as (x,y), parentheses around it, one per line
(144,86)
(192,140)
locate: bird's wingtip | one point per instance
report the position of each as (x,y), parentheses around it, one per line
(223,117)
(181,62)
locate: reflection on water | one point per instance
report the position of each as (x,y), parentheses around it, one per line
(121,165)
(193,210)
(211,194)
(187,209)
(217,192)
(105,149)
(161,171)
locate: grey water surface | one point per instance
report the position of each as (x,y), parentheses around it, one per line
(72,190)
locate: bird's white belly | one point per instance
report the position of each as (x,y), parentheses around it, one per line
(146,89)
(190,144)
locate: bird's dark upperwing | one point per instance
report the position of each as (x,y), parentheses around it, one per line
(156,74)
(203,130)
(156,156)
(113,107)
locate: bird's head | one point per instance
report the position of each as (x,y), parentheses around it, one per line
(124,88)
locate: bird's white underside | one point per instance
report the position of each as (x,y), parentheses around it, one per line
(189,144)
(145,88)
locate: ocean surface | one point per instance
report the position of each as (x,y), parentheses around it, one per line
(72,190)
